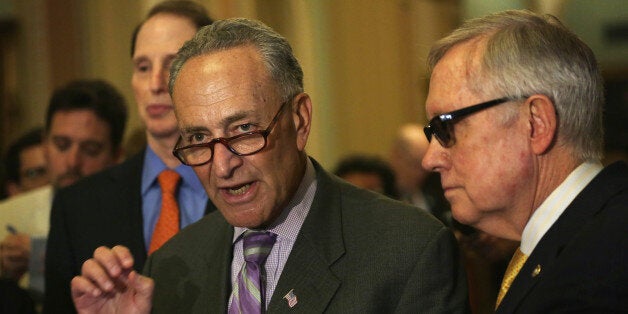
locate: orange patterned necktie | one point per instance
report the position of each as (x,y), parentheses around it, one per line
(513,269)
(168,222)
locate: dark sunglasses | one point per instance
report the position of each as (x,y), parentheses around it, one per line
(442,126)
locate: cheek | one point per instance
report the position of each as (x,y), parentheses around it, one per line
(202,172)
(510,168)
(496,165)
(138,91)
(94,164)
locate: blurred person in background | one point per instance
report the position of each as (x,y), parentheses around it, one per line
(416,185)
(25,164)
(369,172)
(85,123)
(123,205)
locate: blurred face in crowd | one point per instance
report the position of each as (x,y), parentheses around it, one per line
(33,171)
(367,180)
(482,171)
(33,168)
(78,144)
(405,159)
(157,43)
(230,92)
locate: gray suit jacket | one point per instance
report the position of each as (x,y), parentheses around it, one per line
(357,252)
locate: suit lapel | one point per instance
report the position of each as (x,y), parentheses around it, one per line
(219,267)
(543,259)
(127,182)
(319,244)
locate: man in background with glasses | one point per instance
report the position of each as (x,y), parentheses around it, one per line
(287,234)
(25,164)
(516,135)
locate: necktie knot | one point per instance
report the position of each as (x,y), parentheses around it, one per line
(257,245)
(168,181)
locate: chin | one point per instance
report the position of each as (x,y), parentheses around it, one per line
(465,216)
(243,218)
(161,132)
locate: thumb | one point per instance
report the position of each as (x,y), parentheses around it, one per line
(143,287)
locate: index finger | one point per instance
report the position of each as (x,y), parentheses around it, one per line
(114,260)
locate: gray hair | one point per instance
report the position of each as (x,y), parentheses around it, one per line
(230,33)
(528,54)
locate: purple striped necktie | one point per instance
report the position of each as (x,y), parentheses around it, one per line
(248,294)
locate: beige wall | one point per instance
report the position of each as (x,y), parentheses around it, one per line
(363,59)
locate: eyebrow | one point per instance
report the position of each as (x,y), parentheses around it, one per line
(224,122)
(139,59)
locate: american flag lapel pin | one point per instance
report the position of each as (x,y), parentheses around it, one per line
(291,298)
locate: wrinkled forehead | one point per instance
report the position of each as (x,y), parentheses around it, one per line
(234,77)
(456,77)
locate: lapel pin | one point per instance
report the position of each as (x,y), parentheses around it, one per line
(291,298)
(536,271)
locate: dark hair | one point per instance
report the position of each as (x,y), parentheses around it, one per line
(195,12)
(95,95)
(370,165)
(12,160)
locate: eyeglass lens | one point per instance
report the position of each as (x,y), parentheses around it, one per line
(440,129)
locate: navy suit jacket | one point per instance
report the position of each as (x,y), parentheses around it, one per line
(357,252)
(581,263)
(102,210)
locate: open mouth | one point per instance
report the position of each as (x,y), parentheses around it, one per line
(239,190)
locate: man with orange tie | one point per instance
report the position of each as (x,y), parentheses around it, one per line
(516,102)
(147,199)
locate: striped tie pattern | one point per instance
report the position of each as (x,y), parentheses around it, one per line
(168,221)
(515,265)
(248,294)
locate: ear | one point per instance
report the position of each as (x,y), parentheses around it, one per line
(302,119)
(543,123)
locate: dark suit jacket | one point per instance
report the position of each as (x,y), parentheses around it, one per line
(583,258)
(104,209)
(357,252)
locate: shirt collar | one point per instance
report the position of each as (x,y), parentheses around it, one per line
(153,166)
(555,204)
(288,224)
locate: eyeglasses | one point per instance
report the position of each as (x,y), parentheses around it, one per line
(244,144)
(442,126)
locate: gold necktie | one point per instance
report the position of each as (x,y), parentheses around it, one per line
(168,222)
(514,266)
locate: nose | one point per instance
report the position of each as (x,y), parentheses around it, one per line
(224,162)
(159,79)
(73,159)
(435,158)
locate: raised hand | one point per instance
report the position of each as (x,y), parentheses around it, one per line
(108,284)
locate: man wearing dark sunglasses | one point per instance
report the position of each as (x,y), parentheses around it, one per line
(515,102)
(287,236)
